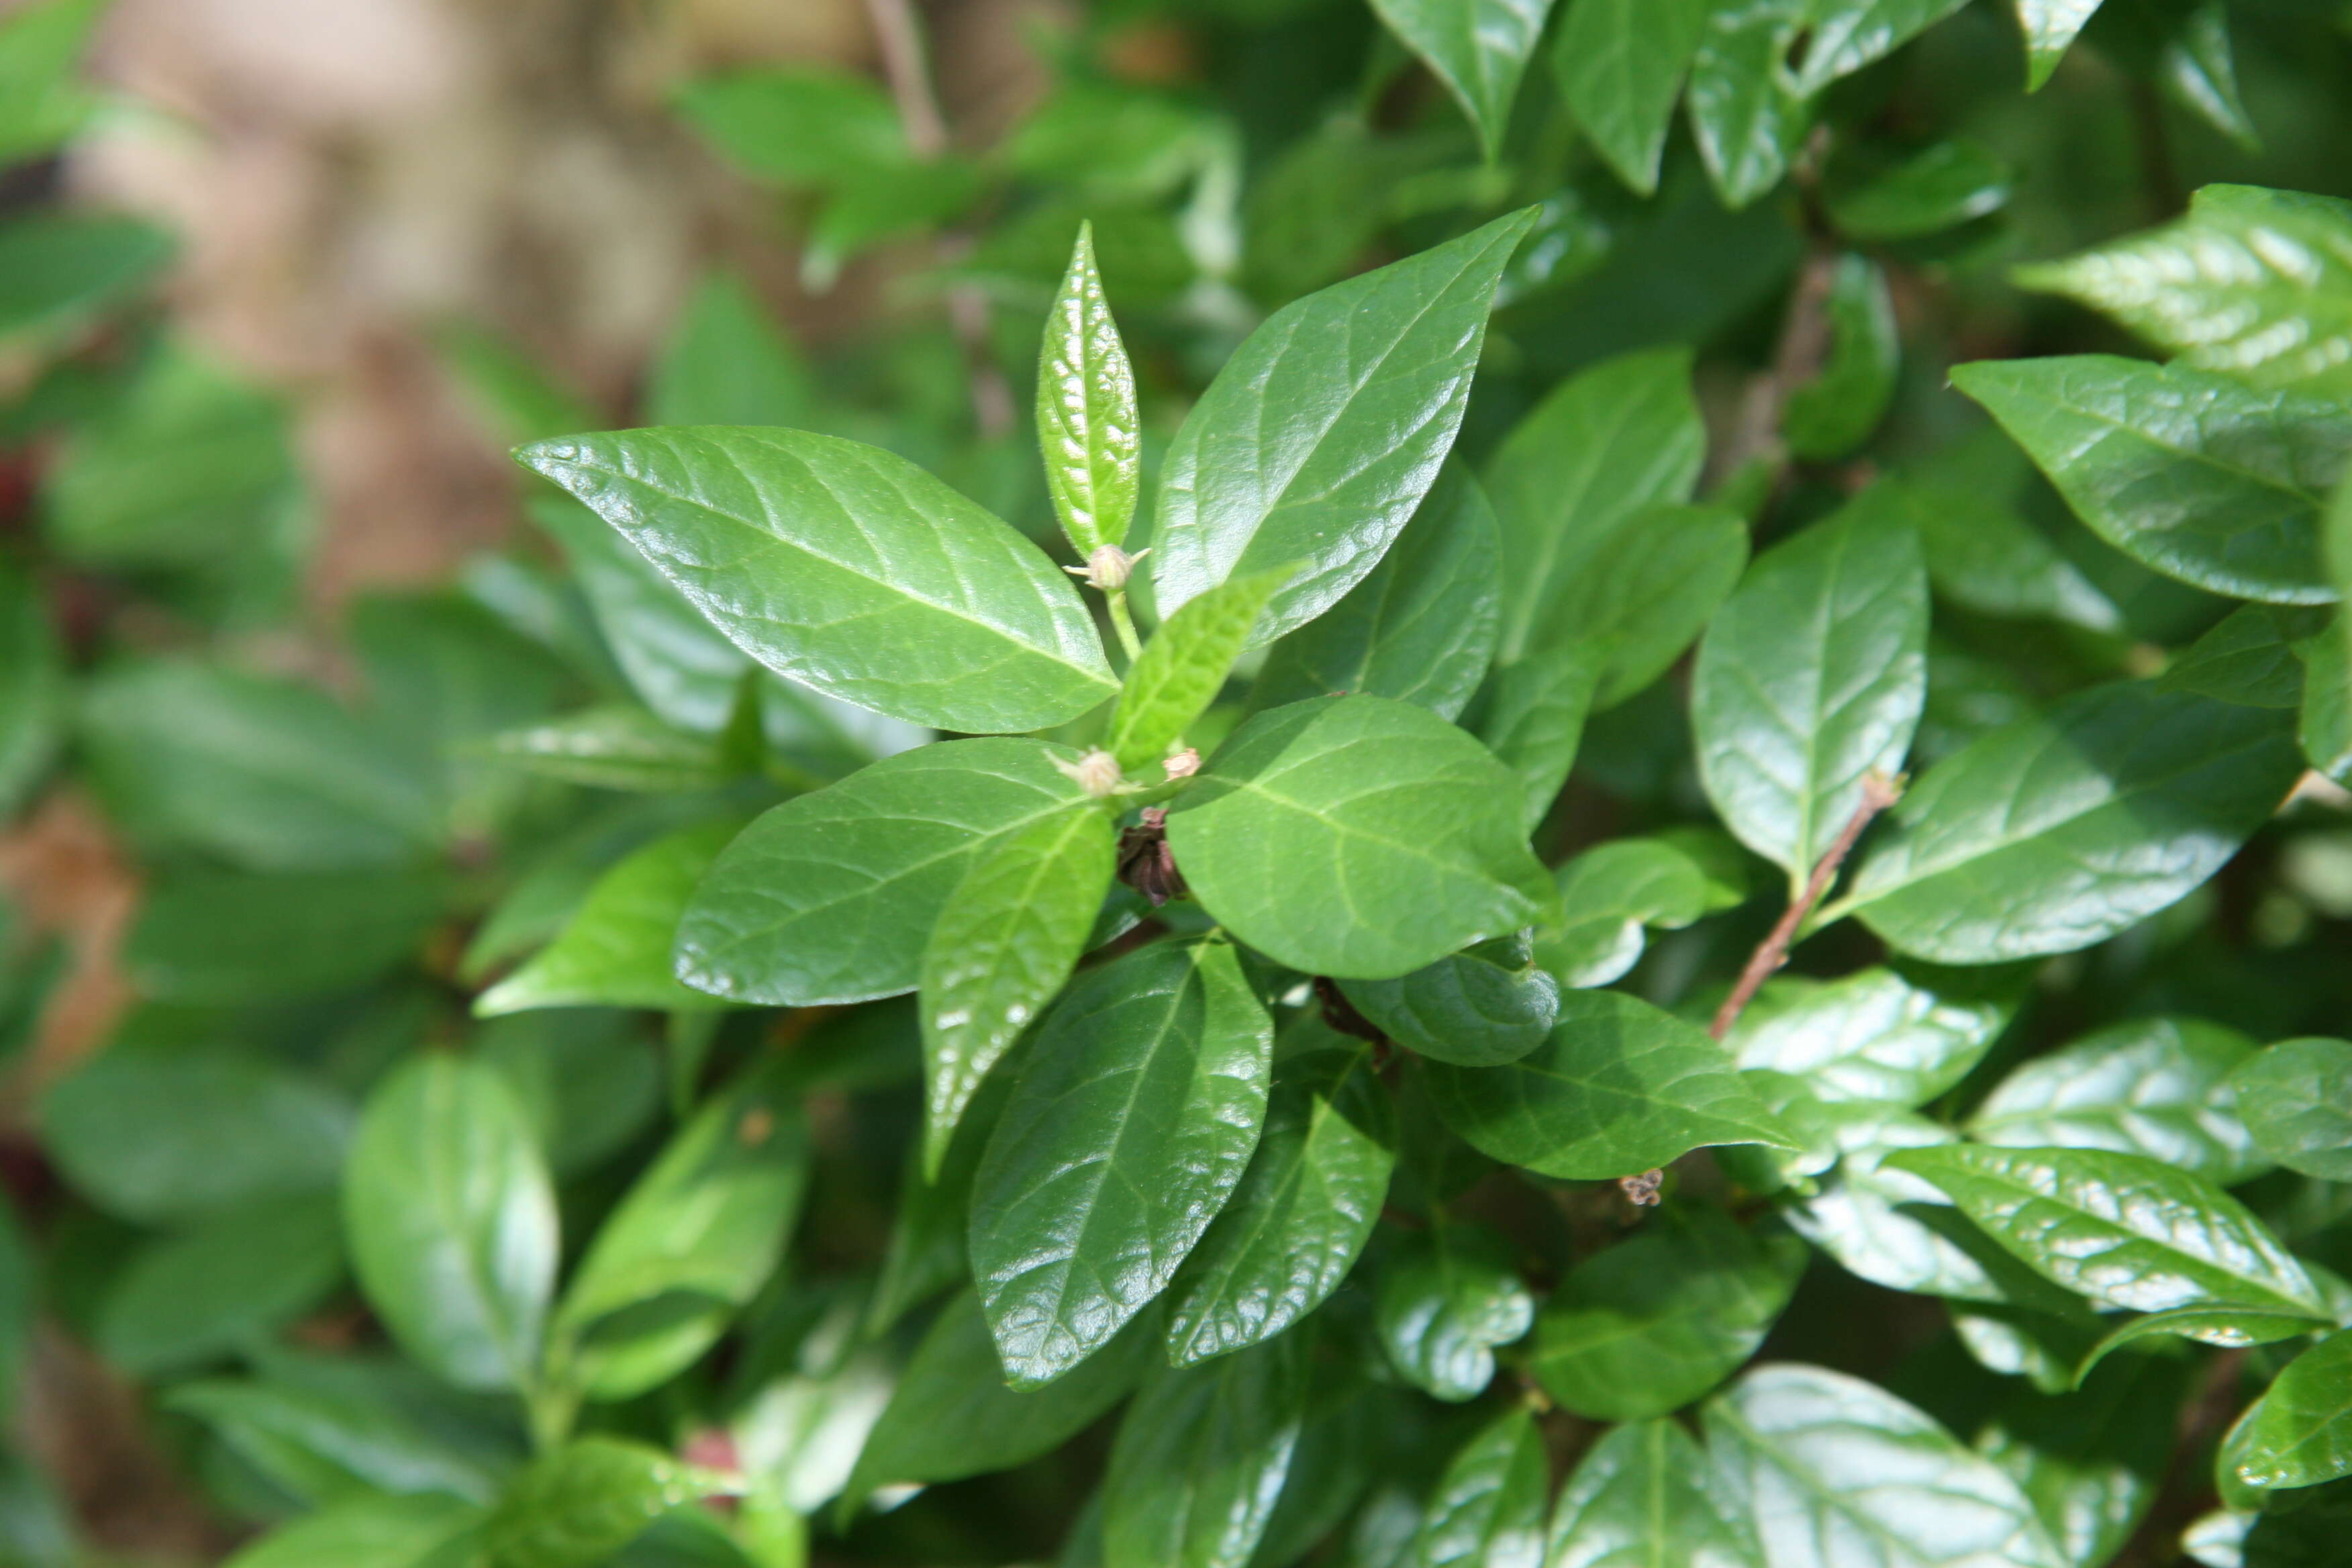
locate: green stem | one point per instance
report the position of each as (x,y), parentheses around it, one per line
(1124,625)
(550,1408)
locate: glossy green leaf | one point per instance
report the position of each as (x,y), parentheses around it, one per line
(952,1415)
(2198,64)
(234,1277)
(1643,1328)
(1848,34)
(1087,427)
(1876,1035)
(1602,445)
(616,951)
(616,748)
(1610,892)
(726,363)
(1642,1498)
(1345,1436)
(2297,1099)
(2090,1463)
(365,1532)
(578,1505)
(1446,1298)
(1649,591)
(1479,49)
(2058,831)
(2049,25)
(830,898)
(786,540)
(324,1447)
(1419,628)
(1836,410)
(1951,183)
(1620,65)
(1981,554)
(1534,723)
(1809,680)
(2157,1087)
(451,1222)
(2299,1434)
(1823,1458)
(1183,667)
(2231,1327)
(1006,942)
(2197,475)
(1320,437)
(1303,1211)
(2121,1230)
(1491,1004)
(1356,837)
(1746,110)
(1201,1456)
(2324,727)
(1489,1508)
(1619,1088)
(1137,1111)
(2249,657)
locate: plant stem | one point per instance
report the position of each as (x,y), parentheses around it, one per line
(548,1407)
(1878,793)
(1123,623)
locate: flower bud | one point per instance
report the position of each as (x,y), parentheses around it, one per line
(1108,568)
(1181,764)
(1097,772)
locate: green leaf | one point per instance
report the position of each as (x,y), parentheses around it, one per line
(693,1241)
(2249,657)
(831,898)
(1356,837)
(2049,25)
(1847,35)
(223,938)
(616,951)
(1951,183)
(2055,833)
(2324,727)
(804,125)
(2121,1230)
(365,1532)
(155,1135)
(1650,590)
(1602,445)
(2197,474)
(2090,1463)
(1643,1328)
(1320,437)
(1137,1111)
(1200,1457)
(238,1274)
(1303,1211)
(1619,65)
(2295,1097)
(2299,1434)
(589,1083)
(2198,64)
(33,686)
(1745,110)
(326,1448)
(616,748)
(41,101)
(1821,1458)
(582,1503)
(1836,410)
(1489,1508)
(1479,49)
(1446,1298)
(1183,667)
(1087,427)
(952,1415)
(1004,944)
(58,271)
(1610,892)
(808,550)
(1642,1498)
(1811,680)
(451,1221)
(1876,1035)
(1534,723)
(1619,1088)
(1491,1004)
(2157,1087)
(2232,1327)
(1419,628)
(726,362)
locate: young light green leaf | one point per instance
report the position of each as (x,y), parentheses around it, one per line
(2158,1087)
(1489,1508)
(1876,1035)
(2055,833)
(1200,1457)
(1323,432)
(690,1244)
(1620,1087)
(1087,427)
(451,1221)
(1610,892)
(1835,412)
(1137,1111)
(579,1504)
(1847,35)
(1951,183)
(42,99)
(1745,110)
(2299,1434)
(1649,590)
(1811,680)
(235,1277)
(364,1533)
(831,898)
(726,362)
(2049,25)
(807,552)
(1642,1498)
(1821,1457)
(1490,1004)
(1183,667)
(1534,720)
(2197,475)
(616,951)
(1446,1299)
(1479,49)
(1010,935)
(1303,1210)
(1619,65)
(2297,1097)
(2121,1230)
(1421,628)
(1356,837)
(1602,445)
(1643,1328)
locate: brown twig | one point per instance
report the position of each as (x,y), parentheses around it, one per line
(1805,345)
(1878,793)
